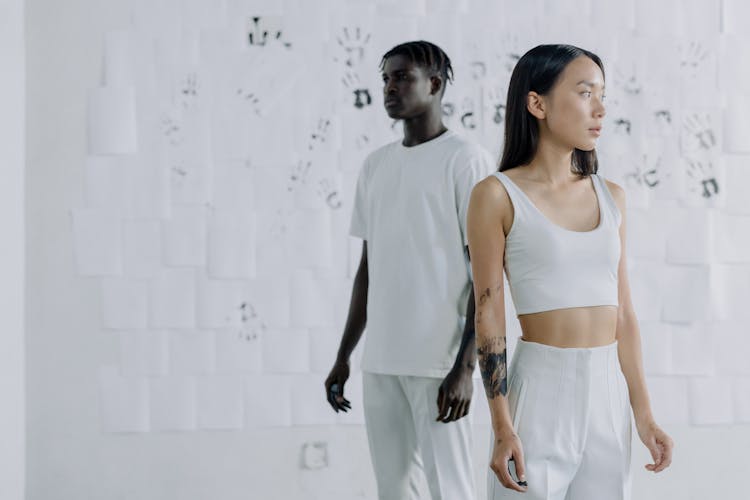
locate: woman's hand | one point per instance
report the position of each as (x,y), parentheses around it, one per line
(508,446)
(658,443)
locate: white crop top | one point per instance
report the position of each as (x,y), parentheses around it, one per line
(550,267)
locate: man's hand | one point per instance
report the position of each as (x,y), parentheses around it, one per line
(454,395)
(335,386)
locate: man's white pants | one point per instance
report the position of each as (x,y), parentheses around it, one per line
(406,441)
(571,411)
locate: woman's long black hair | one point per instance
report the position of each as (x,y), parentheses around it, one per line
(537,71)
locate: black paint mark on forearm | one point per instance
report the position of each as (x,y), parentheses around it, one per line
(493,367)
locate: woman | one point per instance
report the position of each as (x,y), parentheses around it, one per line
(562,417)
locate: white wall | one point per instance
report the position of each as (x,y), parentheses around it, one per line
(12,259)
(72,454)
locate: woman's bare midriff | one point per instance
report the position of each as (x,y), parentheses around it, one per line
(574,327)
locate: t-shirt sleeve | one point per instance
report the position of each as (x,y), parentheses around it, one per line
(473,167)
(358,225)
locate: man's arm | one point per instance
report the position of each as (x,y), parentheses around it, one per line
(454,395)
(353,329)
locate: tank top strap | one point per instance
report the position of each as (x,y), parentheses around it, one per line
(522,207)
(605,197)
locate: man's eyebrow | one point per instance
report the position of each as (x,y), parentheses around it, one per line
(397,70)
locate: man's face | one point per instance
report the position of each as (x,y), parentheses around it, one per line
(408,89)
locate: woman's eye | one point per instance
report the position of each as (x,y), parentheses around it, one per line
(586,93)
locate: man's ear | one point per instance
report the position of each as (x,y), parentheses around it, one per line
(535,105)
(436,85)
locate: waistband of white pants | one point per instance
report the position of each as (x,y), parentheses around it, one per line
(536,357)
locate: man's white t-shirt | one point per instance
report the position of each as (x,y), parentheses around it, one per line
(410,207)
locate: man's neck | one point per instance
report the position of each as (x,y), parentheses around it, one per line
(423,128)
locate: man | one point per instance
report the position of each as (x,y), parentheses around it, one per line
(413,288)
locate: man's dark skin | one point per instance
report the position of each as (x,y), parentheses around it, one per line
(412,94)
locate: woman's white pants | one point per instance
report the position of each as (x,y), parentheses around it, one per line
(571,411)
(407,445)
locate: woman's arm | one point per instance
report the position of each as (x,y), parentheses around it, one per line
(631,359)
(489,208)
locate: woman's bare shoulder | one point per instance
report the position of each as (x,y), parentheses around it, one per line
(490,199)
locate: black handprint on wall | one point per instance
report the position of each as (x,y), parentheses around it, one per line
(352,43)
(265,30)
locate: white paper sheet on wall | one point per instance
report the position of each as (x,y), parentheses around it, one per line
(190,179)
(688,340)
(150,185)
(612,16)
(737,125)
(191,352)
(732,348)
(230,130)
(269,298)
(735,16)
(656,338)
(119,60)
(340,219)
(645,238)
(732,241)
(231,244)
(650,16)
(173,404)
(141,248)
(124,303)
(286,351)
(272,188)
(143,353)
(689,235)
(647,291)
(700,133)
(669,399)
(238,352)
(124,401)
(111,121)
(184,236)
(172,294)
(220,402)
(688,297)
(273,252)
(324,345)
(310,301)
(97,236)
(204,14)
(701,18)
(234,186)
(699,73)
(710,400)
(392,30)
(309,404)
(220,303)
(108,184)
(737,171)
(730,285)
(311,238)
(741,399)
(268,399)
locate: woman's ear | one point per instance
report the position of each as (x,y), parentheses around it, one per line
(535,105)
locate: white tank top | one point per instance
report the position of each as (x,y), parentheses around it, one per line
(550,267)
